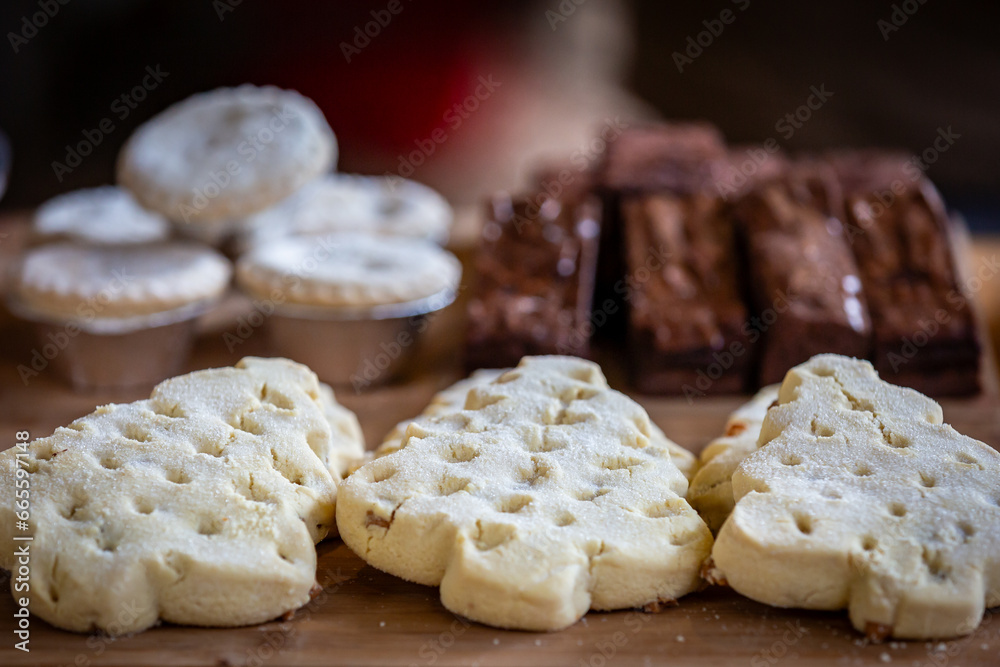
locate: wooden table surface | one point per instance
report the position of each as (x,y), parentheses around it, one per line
(366,617)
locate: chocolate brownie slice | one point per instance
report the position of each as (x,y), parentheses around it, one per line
(926,336)
(804,282)
(536,265)
(687,323)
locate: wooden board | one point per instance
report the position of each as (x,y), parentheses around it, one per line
(366,617)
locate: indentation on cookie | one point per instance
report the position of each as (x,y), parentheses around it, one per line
(480,398)
(927,480)
(790,459)
(243,424)
(144,506)
(551,441)
(171,411)
(578,394)
(935,563)
(210,525)
(565,519)
(620,463)
(832,494)
(643,426)
(590,495)
(77,426)
(968,459)
(665,509)
(72,512)
(275,398)
(461,453)
(178,476)
(452,485)
(803,522)
(868,542)
(29,464)
(136,432)
(967,530)
(897,509)
(862,470)
(492,535)
(382,471)
(823,372)
(514,504)
(821,430)
(509,376)
(316,440)
(109,461)
(898,441)
(106,541)
(536,473)
(565,418)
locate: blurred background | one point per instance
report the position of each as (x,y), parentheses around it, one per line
(509,82)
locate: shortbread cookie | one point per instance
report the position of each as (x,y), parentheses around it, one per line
(543,498)
(106,215)
(227,153)
(197,506)
(64,280)
(860,497)
(453,398)
(347,270)
(347,435)
(354,203)
(711,490)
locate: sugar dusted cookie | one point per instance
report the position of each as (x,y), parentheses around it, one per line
(106,215)
(197,506)
(352,270)
(65,280)
(543,498)
(711,490)
(359,204)
(860,497)
(227,153)
(453,398)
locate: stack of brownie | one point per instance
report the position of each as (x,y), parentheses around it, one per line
(926,336)
(732,265)
(536,265)
(803,279)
